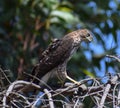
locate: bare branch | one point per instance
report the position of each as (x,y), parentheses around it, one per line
(107,89)
(12,86)
(101,94)
(115,57)
(50,98)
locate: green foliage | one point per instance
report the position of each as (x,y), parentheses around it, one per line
(27,27)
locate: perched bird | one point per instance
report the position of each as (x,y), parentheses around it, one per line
(54,59)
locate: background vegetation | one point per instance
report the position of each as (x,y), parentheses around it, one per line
(27,27)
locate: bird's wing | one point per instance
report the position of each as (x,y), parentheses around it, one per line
(52,47)
(56,53)
(46,61)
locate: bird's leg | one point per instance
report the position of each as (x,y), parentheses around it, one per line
(62,74)
(72,80)
(83,86)
(69,78)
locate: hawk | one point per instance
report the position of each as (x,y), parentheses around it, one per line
(54,59)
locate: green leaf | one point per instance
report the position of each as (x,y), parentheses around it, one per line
(55,20)
(65,9)
(66,16)
(88,73)
(24,2)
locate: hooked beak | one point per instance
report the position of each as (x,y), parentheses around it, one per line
(90,38)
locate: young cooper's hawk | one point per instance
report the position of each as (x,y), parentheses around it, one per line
(55,58)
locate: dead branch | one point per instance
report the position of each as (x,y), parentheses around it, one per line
(106,91)
(15,85)
(115,57)
(49,98)
(101,94)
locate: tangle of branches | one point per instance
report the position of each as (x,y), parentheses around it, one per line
(101,94)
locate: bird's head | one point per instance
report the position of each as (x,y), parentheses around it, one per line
(85,35)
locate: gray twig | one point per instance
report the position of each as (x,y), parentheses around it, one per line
(113,56)
(49,98)
(105,93)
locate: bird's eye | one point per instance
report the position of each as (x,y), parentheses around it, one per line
(88,34)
